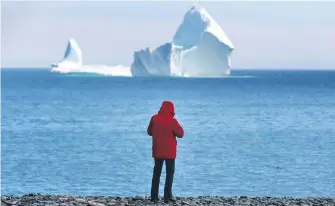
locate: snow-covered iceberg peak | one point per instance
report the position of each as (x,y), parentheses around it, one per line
(199,48)
(196,22)
(73,52)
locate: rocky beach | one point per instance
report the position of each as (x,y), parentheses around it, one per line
(64,200)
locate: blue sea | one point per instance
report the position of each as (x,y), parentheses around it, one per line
(257,133)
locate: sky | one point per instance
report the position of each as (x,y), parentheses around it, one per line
(266,34)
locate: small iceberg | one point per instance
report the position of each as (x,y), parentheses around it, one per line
(72,63)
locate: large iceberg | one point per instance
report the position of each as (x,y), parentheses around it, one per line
(199,48)
(72,62)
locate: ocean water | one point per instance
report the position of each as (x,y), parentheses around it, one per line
(259,133)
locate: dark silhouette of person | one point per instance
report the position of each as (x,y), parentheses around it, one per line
(164,129)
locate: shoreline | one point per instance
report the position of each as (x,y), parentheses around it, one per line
(69,200)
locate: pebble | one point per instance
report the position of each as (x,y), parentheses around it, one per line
(65,200)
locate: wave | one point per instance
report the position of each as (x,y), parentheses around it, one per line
(105,70)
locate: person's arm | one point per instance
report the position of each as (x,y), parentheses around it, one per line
(149,130)
(177,129)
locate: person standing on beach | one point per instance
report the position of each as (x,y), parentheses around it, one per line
(164,129)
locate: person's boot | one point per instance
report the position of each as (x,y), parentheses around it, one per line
(154,199)
(169,199)
(172,199)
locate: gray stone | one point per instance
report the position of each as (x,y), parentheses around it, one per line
(66,200)
(185,203)
(78,204)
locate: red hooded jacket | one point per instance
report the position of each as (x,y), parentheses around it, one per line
(164,129)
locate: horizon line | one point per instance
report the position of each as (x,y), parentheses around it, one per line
(231,69)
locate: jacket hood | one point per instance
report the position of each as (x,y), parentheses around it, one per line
(167,109)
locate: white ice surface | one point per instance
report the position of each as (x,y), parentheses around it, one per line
(72,62)
(199,48)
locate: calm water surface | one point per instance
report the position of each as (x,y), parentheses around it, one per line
(258,133)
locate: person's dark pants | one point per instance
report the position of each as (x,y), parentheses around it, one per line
(170,166)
